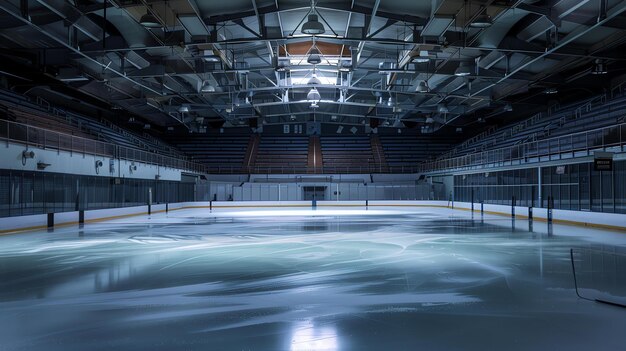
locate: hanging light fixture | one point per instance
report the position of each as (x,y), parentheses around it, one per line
(149,21)
(598,68)
(313,25)
(314,80)
(507,108)
(315,57)
(422,57)
(390,102)
(207,87)
(422,87)
(463,70)
(313,95)
(183,109)
(482,21)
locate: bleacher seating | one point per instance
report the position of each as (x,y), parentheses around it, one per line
(225,152)
(287,152)
(409,150)
(590,114)
(343,151)
(36,119)
(19,108)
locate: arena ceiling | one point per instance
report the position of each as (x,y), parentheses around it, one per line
(396,62)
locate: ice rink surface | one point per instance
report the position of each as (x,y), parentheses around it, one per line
(331,279)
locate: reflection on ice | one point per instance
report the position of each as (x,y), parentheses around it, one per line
(302,280)
(310,337)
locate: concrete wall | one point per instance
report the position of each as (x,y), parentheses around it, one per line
(77,163)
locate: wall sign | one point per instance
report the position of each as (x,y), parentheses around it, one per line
(603,164)
(602,161)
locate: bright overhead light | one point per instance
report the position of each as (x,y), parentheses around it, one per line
(508,108)
(429,120)
(212,58)
(482,21)
(207,87)
(442,108)
(313,95)
(422,87)
(551,91)
(390,102)
(183,109)
(463,70)
(313,26)
(149,21)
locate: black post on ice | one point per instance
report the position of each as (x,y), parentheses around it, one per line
(513,206)
(50,220)
(550,206)
(472,191)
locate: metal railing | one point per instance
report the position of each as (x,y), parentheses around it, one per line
(31,136)
(43,138)
(309,170)
(562,147)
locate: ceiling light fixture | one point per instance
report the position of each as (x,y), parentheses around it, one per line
(507,108)
(313,26)
(315,57)
(482,21)
(422,87)
(149,21)
(423,57)
(463,70)
(313,95)
(207,87)
(314,81)
(183,109)
(551,91)
(390,102)
(598,68)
